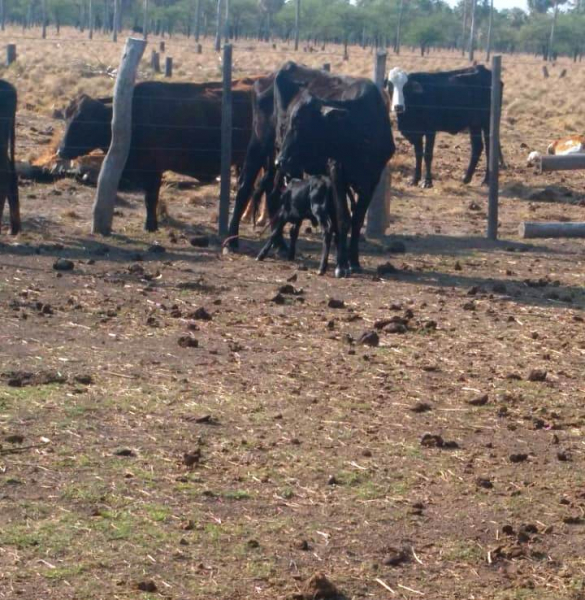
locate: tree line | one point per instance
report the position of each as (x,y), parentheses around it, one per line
(548,28)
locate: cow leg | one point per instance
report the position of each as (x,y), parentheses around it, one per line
(486,137)
(294,236)
(273,201)
(14,204)
(152,189)
(2,202)
(254,162)
(418,156)
(357,222)
(476,148)
(327,235)
(429,148)
(343,219)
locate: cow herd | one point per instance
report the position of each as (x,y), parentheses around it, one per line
(313,143)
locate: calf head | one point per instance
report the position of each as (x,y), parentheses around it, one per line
(88,127)
(309,139)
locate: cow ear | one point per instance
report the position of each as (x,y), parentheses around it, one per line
(416,87)
(332,113)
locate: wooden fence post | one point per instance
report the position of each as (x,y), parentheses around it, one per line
(378,212)
(90,20)
(545,72)
(169,66)
(145,20)
(297,24)
(345,52)
(10,54)
(494,163)
(155,61)
(2,16)
(199,49)
(198,22)
(226,141)
(551,229)
(218,32)
(161,47)
(115,160)
(44,18)
(116,20)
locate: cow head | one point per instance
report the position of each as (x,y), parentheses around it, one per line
(307,142)
(397,79)
(88,127)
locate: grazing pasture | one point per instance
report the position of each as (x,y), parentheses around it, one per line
(177,423)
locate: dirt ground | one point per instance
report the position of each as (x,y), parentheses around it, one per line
(176,423)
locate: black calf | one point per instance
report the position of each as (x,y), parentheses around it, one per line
(305,199)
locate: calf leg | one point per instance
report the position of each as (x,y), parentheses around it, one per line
(294,236)
(276,234)
(476,148)
(418,156)
(152,189)
(429,148)
(273,202)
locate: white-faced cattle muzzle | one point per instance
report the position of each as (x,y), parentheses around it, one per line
(398,78)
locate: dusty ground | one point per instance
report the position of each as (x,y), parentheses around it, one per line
(132,466)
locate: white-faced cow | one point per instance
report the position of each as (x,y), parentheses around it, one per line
(449,101)
(8,178)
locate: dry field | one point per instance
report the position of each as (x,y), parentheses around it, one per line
(445,463)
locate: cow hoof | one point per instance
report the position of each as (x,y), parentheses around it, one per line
(355,268)
(151,228)
(341,272)
(321,272)
(466,180)
(15,230)
(260,258)
(414,181)
(426,184)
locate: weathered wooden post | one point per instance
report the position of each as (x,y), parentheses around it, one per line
(161,47)
(345,52)
(44,18)
(218,32)
(10,54)
(545,72)
(226,141)
(90,20)
(494,163)
(116,28)
(197,21)
(169,66)
(227,21)
(155,61)
(199,49)
(472,32)
(327,67)
(115,160)
(2,15)
(297,24)
(145,20)
(378,213)
(551,229)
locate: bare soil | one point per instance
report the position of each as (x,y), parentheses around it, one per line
(150,449)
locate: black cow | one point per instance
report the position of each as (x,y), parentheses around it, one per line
(339,126)
(175,127)
(310,199)
(450,101)
(8,177)
(262,150)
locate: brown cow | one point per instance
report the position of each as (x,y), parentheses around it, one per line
(175,127)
